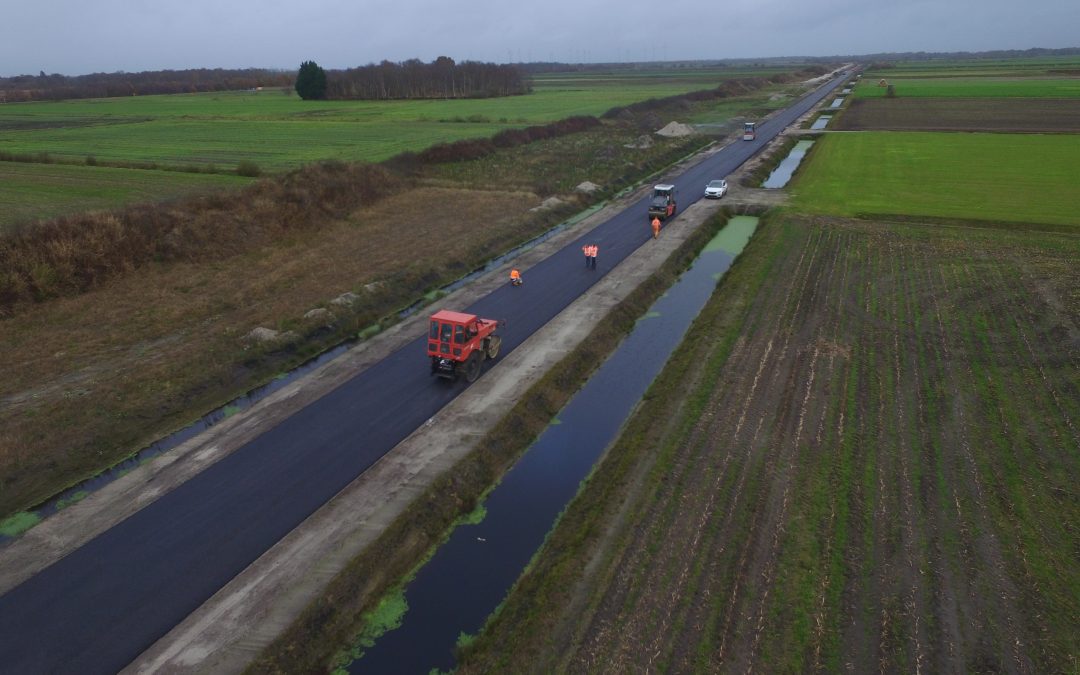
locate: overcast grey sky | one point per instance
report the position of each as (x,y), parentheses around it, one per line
(74,37)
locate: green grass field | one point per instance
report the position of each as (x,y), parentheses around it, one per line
(278,131)
(30,191)
(972,87)
(999,177)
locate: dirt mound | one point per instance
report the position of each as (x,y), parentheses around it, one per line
(675,129)
(549,203)
(261,335)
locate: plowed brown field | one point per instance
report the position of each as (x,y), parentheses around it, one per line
(863,459)
(1035,115)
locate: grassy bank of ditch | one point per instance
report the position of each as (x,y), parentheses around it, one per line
(338,615)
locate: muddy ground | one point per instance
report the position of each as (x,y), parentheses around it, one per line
(863,459)
(1031,115)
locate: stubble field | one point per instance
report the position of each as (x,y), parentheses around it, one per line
(1028,115)
(863,458)
(973,87)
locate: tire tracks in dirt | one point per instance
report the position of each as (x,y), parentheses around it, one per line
(633,649)
(986,546)
(812,337)
(753,575)
(836,321)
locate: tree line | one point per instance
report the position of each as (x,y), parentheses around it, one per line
(58,87)
(414,79)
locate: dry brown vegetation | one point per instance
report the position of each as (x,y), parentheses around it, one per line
(75,253)
(72,254)
(726,89)
(864,458)
(1033,115)
(105,372)
(93,377)
(475,148)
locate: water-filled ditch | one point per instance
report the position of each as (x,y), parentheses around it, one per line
(786,169)
(469,575)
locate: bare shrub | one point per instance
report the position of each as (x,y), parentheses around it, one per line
(75,253)
(510,138)
(475,148)
(248,168)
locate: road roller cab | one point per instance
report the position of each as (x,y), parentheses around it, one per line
(458,343)
(662,205)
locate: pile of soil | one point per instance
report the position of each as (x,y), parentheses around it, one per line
(675,129)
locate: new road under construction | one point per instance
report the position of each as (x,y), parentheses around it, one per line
(172,566)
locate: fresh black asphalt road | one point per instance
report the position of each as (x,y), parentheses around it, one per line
(97,609)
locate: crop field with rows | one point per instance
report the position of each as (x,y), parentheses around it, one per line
(863,457)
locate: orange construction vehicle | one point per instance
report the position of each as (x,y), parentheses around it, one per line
(662,205)
(458,344)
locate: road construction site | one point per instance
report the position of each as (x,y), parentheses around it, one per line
(264,508)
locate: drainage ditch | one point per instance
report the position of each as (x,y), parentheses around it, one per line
(452,595)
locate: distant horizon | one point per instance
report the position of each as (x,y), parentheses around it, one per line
(704,60)
(107,36)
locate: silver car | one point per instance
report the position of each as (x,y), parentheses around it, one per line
(716,189)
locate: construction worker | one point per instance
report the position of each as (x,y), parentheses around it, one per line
(587,248)
(515,277)
(595,252)
(655,227)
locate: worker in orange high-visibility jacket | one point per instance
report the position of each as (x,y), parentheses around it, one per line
(655,227)
(595,252)
(587,249)
(515,277)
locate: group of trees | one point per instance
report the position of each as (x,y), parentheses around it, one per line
(413,79)
(442,78)
(311,81)
(57,87)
